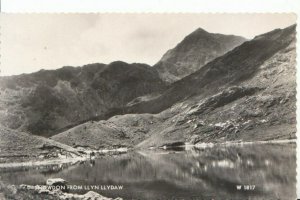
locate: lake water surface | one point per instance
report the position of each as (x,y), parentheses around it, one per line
(209,173)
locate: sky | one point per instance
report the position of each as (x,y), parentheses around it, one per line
(30,42)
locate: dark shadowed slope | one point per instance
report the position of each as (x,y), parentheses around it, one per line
(44,102)
(196,49)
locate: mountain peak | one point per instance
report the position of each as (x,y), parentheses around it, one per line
(193,52)
(199,31)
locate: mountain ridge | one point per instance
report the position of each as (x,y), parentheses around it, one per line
(49,100)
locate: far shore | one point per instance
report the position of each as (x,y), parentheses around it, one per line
(86,157)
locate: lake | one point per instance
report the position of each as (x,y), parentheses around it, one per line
(249,171)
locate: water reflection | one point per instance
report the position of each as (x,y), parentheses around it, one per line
(194,174)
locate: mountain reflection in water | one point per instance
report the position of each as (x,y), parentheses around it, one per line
(193,174)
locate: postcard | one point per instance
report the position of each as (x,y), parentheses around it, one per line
(150,106)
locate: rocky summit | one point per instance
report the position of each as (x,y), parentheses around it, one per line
(193,52)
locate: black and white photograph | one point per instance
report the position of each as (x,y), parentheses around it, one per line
(148,106)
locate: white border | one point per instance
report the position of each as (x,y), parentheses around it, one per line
(150,6)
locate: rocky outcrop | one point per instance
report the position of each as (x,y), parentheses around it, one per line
(51,191)
(223,98)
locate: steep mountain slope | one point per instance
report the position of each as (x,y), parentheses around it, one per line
(248,94)
(45,102)
(196,49)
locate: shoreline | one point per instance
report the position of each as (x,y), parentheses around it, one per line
(228,143)
(75,160)
(62,161)
(29,164)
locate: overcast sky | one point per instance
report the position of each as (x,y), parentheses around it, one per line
(30,42)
